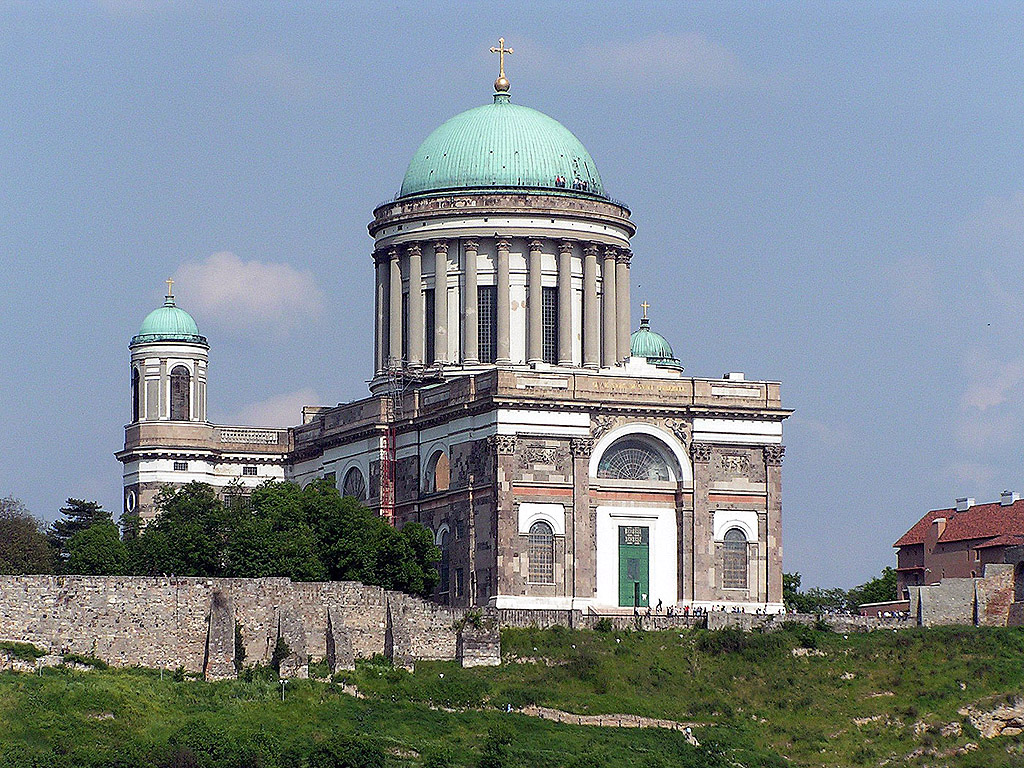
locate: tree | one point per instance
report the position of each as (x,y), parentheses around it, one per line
(188,536)
(815,599)
(97,551)
(23,544)
(880,589)
(78,515)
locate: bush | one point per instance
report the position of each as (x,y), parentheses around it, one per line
(23,651)
(604,625)
(86,661)
(319,669)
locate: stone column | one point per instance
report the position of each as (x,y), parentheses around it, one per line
(591,353)
(504,309)
(700,544)
(507,522)
(471,330)
(623,321)
(608,331)
(584,584)
(380,343)
(565,303)
(395,307)
(773,456)
(535,306)
(441,301)
(415,252)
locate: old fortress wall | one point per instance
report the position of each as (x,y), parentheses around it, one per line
(191,622)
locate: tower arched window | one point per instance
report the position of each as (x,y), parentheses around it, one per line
(354,484)
(136,402)
(634,458)
(734,559)
(181,384)
(541,552)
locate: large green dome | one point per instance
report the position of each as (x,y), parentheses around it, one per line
(502,146)
(168,323)
(644,342)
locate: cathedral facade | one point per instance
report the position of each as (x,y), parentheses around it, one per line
(561,459)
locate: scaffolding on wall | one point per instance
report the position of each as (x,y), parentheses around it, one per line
(400,379)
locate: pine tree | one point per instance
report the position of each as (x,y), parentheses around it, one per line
(78,516)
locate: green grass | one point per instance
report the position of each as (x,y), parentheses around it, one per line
(758,705)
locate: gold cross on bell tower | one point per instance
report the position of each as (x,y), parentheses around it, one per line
(501,84)
(169,284)
(646,306)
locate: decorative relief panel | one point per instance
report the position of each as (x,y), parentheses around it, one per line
(683,430)
(736,463)
(601,423)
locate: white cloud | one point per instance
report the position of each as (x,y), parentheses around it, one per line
(1000,221)
(664,61)
(972,473)
(284,410)
(239,294)
(992,384)
(284,76)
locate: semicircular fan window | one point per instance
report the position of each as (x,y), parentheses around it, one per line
(633,460)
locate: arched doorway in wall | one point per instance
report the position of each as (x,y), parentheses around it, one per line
(181,383)
(640,469)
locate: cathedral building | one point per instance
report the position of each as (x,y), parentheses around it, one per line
(560,460)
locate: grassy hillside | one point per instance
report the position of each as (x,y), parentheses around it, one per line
(796,697)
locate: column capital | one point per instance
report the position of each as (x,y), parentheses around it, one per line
(380,255)
(581,447)
(610,251)
(393,253)
(441,247)
(591,249)
(623,256)
(471,245)
(701,452)
(536,245)
(774,454)
(503,445)
(565,246)
(414,249)
(503,243)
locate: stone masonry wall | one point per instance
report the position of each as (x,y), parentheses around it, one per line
(190,622)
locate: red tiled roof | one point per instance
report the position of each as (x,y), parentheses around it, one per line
(1007,540)
(982,521)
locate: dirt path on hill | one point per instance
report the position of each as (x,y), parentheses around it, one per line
(569,718)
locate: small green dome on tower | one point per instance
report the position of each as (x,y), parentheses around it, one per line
(502,146)
(644,342)
(168,323)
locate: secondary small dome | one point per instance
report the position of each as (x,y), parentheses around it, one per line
(502,146)
(644,342)
(168,323)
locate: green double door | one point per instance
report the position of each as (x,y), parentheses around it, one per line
(634,566)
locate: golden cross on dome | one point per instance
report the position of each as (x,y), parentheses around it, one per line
(646,306)
(501,84)
(169,284)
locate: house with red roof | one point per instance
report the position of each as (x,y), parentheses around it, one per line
(958,542)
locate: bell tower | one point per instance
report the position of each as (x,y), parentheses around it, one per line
(168,366)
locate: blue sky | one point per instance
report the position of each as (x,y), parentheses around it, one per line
(830,195)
